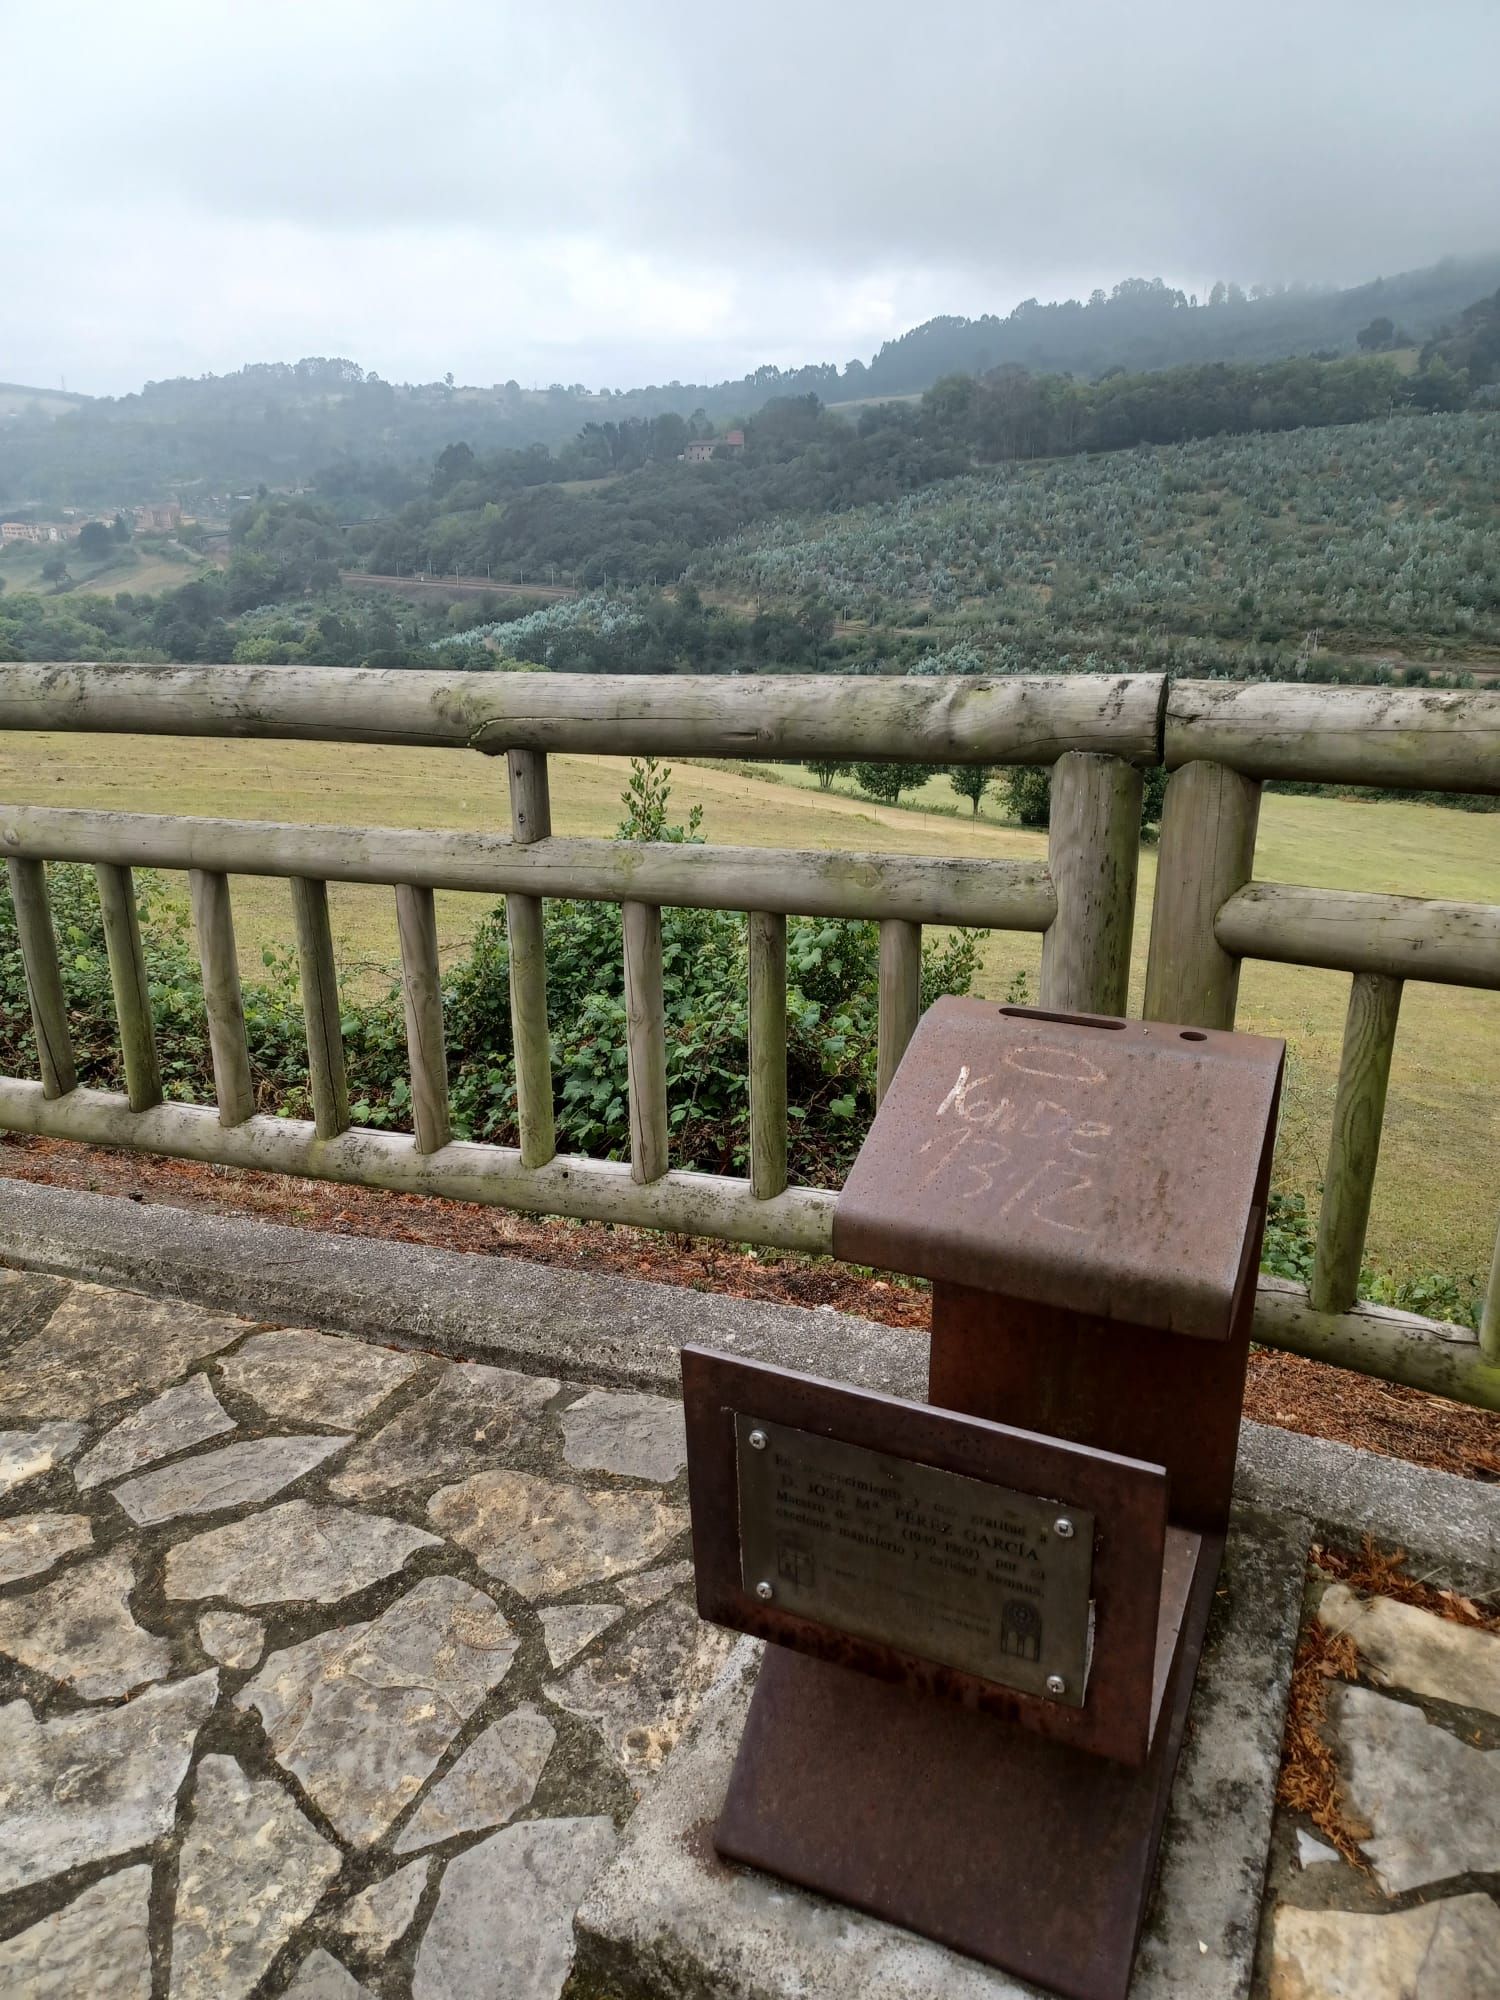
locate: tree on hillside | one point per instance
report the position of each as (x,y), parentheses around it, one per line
(886,782)
(971,782)
(94,541)
(54,569)
(825,770)
(1377,336)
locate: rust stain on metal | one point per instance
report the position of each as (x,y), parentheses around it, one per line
(1101,1166)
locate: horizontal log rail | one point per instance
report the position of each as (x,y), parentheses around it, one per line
(591,1190)
(1417,739)
(1019,720)
(1402,937)
(996,895)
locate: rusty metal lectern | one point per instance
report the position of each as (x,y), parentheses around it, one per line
(987,1611)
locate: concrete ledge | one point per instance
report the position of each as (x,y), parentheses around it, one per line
(671,1921)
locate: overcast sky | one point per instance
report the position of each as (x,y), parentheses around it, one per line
(627,192)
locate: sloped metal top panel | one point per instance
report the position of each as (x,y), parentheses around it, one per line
(1100,1166)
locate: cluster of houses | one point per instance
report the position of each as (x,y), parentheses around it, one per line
(38,531)
(161,517)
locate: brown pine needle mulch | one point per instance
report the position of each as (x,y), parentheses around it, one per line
(1308,1780)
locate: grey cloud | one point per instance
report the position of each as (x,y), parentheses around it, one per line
(559,182)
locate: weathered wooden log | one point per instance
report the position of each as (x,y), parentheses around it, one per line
(422,1000)
(593,1190)
(1093,846)
(44,987)
(1207,851)
(530,821)
(1349,930)
(127,973)
(992,895)
(767,1054)
(320,1007)
(1489,1315)
(1418,739)
(218,959)
(1377,1340)
(1358,1111)
(645,1041)
(1028,719)
(900,997)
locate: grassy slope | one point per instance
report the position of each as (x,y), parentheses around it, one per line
(150,572)
(1435,1198)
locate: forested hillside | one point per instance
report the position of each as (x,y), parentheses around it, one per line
(280,424)
(522,514)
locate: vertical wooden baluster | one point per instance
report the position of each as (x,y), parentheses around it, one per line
(1207,851)
(320,1007)
(213,919)
(645,1041)
(1359,1108)
(767,933)
(44,987)
(1093,849)
(422,996)
(127,971)
(530,819)
(900,996)
(1489,1318)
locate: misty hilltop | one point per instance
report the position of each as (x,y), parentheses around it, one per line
(280,423)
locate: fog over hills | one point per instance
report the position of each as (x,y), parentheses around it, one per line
(278,423)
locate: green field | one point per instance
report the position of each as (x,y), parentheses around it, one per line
(1438,1189)
(140,571)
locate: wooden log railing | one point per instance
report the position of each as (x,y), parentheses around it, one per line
(1221,741)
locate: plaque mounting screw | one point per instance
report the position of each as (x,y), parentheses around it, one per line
(758,1443)
(764,1592)
(1063,1528)
(1055,1682)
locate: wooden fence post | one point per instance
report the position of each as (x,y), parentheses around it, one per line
(213,919)
(1207,851)
(1359,1107)
(44,987)
(900,997)
(1093,851)
(645,1041)
(530,820)
(1489,1318)
(422,999)
(320,1007)
(767,933)
(127,972)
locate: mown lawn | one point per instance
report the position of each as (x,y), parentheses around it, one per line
(1439,1186)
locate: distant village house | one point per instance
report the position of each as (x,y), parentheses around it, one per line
(37,531)
(164,518)
(703,449)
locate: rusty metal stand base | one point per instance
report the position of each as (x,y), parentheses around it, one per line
(1028,1854)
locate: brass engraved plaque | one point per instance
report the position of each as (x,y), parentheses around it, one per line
(952,1569)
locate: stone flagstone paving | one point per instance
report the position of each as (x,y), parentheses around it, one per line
(325,1670)
(329,1671)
